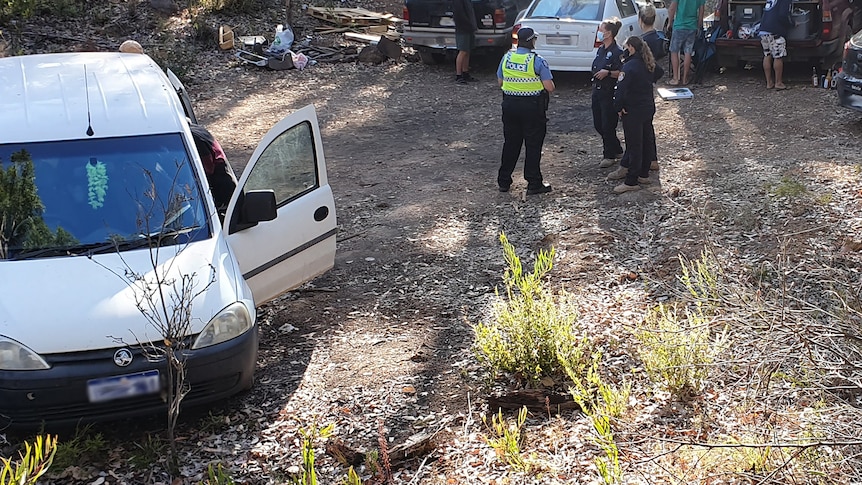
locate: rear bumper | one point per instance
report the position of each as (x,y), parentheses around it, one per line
(568,61)
(58,396)
(437,38)
(731,50)
(849,91)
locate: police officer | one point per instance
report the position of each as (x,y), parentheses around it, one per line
(526,82)
(635,104)
(606,68)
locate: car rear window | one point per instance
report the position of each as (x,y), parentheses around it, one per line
(568,9)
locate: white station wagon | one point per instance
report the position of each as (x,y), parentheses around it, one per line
(99,179)
(567,28)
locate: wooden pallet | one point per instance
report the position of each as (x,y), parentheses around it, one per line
(352,16)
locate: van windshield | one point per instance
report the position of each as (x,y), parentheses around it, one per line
(81,197)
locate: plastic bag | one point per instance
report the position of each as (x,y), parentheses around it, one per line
(299,60)
(283,40)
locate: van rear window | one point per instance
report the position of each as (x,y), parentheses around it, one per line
(80,197)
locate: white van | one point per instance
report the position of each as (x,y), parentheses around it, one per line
(101,186)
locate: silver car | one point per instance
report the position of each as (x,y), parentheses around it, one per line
(567,28)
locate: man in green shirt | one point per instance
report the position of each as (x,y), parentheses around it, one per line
(686,19)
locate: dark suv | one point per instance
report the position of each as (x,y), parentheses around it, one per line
(430,28)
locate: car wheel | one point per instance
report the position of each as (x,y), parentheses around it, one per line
(431,57)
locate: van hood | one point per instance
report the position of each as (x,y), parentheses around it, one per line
(71,304)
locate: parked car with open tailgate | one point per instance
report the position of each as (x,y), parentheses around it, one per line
(821,29)
(429,26)
(102,181)
(567,28)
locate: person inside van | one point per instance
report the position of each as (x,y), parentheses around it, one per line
(220,175)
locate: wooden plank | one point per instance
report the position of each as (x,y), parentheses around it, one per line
(351,16)
(376,29)
(366,38)
(330,30)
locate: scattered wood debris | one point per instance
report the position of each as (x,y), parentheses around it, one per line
(533,399)
(352,16)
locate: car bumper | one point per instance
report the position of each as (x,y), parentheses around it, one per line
(435,38)
(849,91)
(59,395)
(568,61)
(750,50)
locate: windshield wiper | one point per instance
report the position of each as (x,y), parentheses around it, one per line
(152,239)
(544,17)
(105,246)
(76,250)
(39,253)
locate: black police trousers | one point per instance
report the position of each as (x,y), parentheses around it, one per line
(524,123)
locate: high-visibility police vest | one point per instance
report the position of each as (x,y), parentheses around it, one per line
(519,75)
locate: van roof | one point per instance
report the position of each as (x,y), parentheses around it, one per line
(45,97)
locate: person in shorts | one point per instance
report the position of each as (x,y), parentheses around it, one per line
(686,20)
(774,25)
(465,38)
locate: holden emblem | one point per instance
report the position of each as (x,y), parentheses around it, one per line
(123,357)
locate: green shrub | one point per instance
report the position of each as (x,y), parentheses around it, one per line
(33,463)
(676,350)
(40,8)
(82,447)
(602,402)
(217,476)
(701,278)
(308,474)
(506,439)
(533,333)
(788,187)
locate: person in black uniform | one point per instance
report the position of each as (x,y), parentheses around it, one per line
(526,81)
(606,67)
(635,103)
(656,44)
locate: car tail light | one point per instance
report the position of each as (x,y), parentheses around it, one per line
(499,19)
(515,29)
(405,14)
(597,44)
(827,23)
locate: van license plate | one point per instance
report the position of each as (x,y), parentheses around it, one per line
(447,22)
(118,387)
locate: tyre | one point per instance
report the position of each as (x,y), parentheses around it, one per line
(430,57)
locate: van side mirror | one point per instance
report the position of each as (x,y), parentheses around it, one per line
(253,207)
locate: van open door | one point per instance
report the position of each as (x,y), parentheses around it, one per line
(280,222)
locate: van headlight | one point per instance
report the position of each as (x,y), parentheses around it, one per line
(14,356)
(232,322)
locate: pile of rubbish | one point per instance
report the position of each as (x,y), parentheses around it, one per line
(284,52)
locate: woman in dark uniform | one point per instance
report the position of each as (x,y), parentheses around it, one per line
(606,67)
(635,103)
